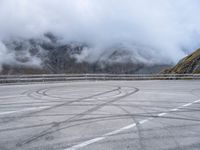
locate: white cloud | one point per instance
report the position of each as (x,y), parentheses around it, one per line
(164,28)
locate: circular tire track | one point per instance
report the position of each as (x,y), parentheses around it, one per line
(54,129)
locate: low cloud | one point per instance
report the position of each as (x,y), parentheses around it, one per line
(153,31)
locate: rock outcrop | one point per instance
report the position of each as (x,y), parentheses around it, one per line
(47,55)
(188,65)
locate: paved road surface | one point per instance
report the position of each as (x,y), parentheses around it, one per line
(112,115)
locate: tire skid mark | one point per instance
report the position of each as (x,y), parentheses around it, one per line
(138,127)
(100,138)
(49,130)
(60,105)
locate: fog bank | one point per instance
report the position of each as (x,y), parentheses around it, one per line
(156,31)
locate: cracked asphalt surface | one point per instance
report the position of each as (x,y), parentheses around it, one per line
(101,115)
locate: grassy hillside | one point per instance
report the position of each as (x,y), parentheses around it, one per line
(189,64)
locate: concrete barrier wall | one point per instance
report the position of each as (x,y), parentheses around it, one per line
(71,77)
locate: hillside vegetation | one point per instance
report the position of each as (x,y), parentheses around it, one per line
(188,65)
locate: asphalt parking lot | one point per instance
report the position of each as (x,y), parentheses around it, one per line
(101,115)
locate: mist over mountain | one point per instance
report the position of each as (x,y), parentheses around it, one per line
(48,55)
(41,34)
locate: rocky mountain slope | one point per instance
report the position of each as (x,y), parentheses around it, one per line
(188,65)
(49,56)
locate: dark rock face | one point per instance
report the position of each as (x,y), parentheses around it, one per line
(188,65)
(56,57)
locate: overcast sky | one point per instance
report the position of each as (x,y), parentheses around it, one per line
(165,28)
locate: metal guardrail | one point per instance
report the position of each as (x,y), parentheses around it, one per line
(73,77)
